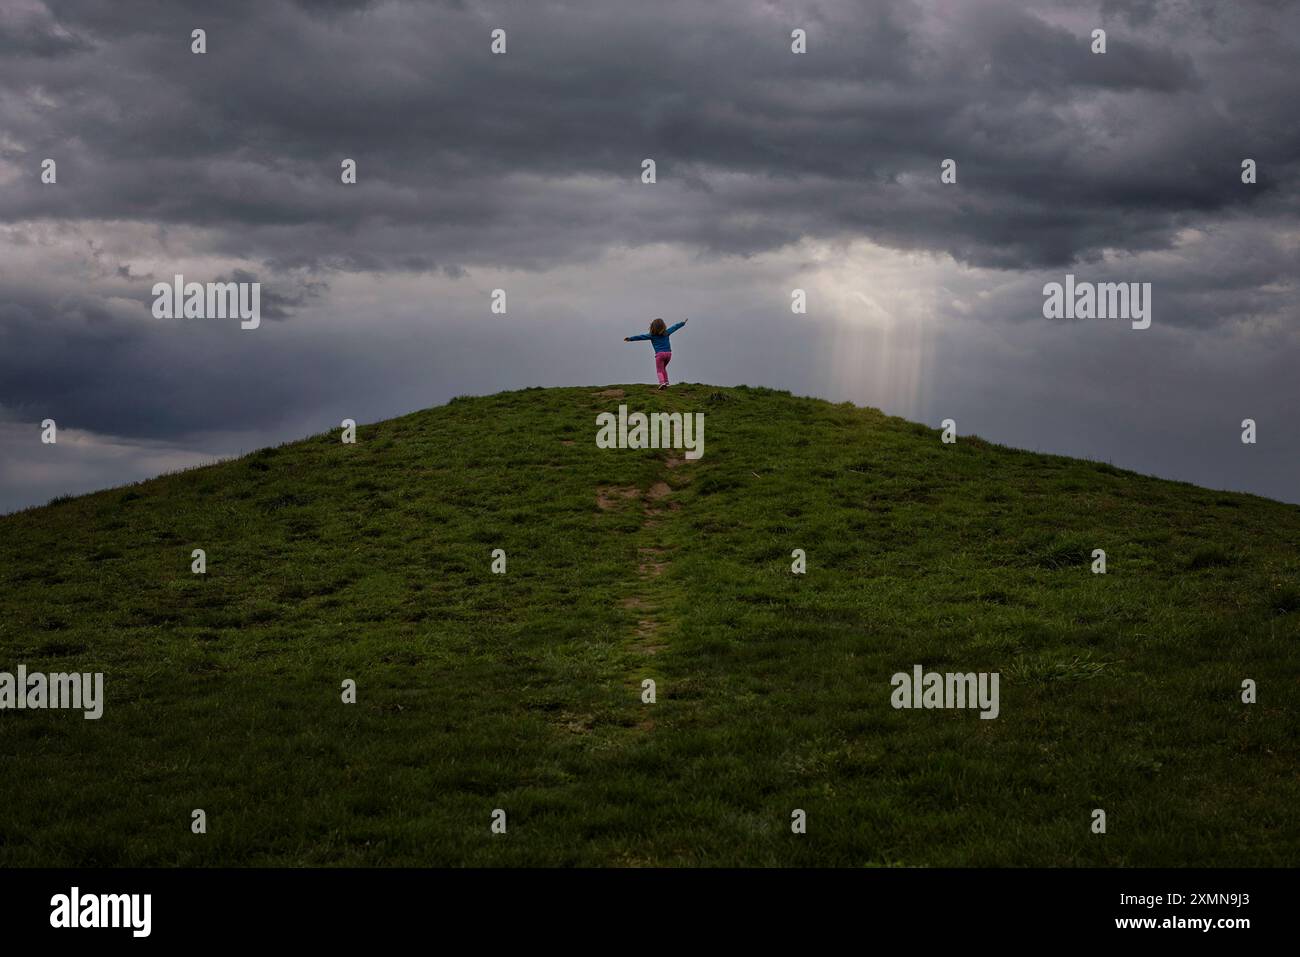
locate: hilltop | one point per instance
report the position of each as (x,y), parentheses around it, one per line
(523,691)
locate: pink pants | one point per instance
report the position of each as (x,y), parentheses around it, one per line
(661,366)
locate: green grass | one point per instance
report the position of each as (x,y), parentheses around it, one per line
(523,691)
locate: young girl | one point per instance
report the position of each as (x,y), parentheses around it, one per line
(658,336)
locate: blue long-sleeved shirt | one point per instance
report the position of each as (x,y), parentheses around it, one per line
(660,343)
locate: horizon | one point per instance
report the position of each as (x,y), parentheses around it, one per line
(243,453)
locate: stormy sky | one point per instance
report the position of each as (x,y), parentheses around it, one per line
(522,171)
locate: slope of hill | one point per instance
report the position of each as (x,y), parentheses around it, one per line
(523,692)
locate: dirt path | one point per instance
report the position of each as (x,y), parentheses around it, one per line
(652,558)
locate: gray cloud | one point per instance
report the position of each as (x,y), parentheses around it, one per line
(27,29)
(1062,153)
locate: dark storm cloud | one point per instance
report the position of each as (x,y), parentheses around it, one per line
(283,301)
(533,157)
(28,29)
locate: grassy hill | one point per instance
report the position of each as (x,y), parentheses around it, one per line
(522,691)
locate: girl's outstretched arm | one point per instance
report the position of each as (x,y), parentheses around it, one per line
(635,338)
(671,329)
